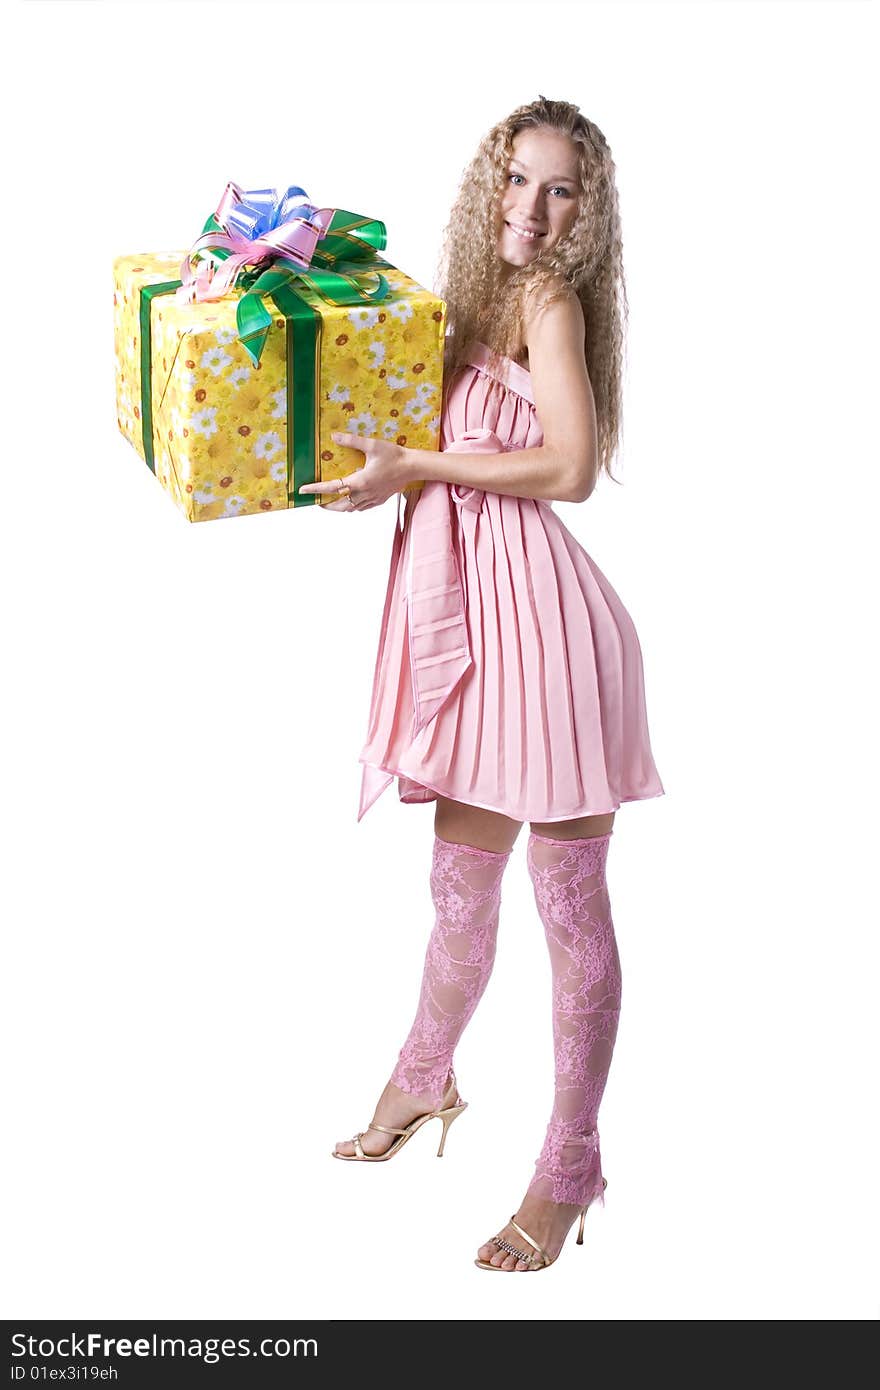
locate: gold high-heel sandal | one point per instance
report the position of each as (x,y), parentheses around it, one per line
(445,1112)
(531,1260)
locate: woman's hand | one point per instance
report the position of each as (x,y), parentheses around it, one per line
(383,474)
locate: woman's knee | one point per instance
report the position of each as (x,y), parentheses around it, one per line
(462,824)
(584,828)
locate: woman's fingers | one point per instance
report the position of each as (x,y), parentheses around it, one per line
(332,485)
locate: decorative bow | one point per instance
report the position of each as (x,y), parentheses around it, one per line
(278,234)
(480,441)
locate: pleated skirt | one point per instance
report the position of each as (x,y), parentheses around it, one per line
(550,721)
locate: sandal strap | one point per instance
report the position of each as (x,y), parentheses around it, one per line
(453,1087)
(511,1249)
(534,1244)
(389,1129)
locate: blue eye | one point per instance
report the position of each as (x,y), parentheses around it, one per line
(562,189)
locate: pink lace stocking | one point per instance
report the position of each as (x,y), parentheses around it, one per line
(466,890)
(572,898)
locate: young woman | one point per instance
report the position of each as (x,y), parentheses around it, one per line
(509,683)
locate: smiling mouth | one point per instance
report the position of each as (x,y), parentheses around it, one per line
(524,235)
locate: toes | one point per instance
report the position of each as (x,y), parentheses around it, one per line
(373,1143)
(492,1254)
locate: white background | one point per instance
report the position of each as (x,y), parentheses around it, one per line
(209,964)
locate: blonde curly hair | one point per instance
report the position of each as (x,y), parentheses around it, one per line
(486,302)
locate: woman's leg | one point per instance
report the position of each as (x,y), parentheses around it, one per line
(471,850)
(566,862)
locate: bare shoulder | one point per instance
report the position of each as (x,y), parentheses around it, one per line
(553,307)
(554,332)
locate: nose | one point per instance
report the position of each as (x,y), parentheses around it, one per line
(530,205)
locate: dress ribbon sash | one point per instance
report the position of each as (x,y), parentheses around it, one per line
(439,645)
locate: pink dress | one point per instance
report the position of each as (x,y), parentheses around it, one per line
(509,674)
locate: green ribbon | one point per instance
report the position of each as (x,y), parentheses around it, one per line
(148,294)
(342,258)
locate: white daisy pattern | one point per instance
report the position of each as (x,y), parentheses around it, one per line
(417,411)
(341,394)
(364,318)
(377,352)
(238,377)
(364,425)
(226,335)
(401,310)
(233,507)
(279,398)
(278,471)
(204,421)
(396,379)
(204,495)
(215,360)
(390,429)
(267,445)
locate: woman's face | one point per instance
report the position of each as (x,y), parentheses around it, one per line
(540,197)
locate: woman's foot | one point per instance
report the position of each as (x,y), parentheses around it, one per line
(548,1223)
(397,1109)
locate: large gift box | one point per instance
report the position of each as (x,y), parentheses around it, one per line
(236,360)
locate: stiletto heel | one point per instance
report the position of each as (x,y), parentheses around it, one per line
(580,1234)
(445,1112)
(447,1117)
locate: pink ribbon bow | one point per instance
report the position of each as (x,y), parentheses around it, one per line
(439,646)
(295,240)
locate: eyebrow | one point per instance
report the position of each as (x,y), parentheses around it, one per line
(555,178)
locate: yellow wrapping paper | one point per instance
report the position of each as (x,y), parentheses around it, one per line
(220,422)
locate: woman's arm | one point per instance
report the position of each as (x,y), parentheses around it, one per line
(564,468)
